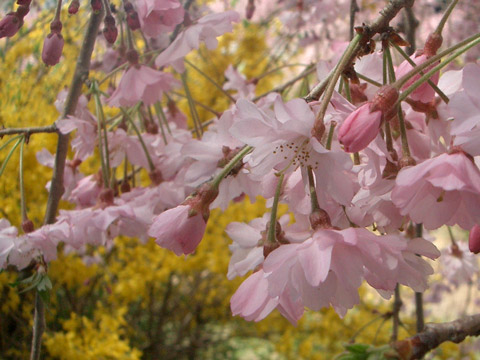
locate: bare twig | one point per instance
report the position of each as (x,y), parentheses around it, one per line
(28,131)
(56,188)
(433,335)
(397,304)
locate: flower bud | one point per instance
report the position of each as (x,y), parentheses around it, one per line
(359,128)
(22,11)
(250,9)
(24,2)
(156,176)
(9,25)
(474,239)
(52,48)
(132,20)
(384,99)
(110,31)
(96,5)
(433,43)
(27,226)
(73,7)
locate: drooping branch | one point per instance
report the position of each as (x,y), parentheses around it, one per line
(433,335)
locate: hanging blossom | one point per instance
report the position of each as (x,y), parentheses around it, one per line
(159,16)
(444,190)
(206,29)
(283,141)
(328,268)
(141,83)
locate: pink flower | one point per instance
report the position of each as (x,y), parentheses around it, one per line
(359,128)
(141,83)
(424,92)
(52,48)
(8,234)
(159,16)
(207,29)
(459,265)
(444,190)
(178,229)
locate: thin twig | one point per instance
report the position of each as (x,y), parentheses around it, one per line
(29,130)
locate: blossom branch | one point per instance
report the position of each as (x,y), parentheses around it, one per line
(378,26)
(29,130)
(56,188)
(433,335)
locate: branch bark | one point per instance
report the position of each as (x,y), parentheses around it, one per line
(29,130)
(433,335)
(56,188)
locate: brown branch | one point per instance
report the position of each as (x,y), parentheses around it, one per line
(80,75)
(379,25)
(28,131)
(56,188)
(433,335)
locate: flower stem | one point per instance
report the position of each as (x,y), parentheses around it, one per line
(144,147)
(430,82)
(440,66)
(271,238)
(23,207)
(445,16)
(104,156)
(231,164)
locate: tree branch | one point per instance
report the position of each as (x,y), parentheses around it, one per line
(379,25)
(28,131)
(56,188)
(433,335)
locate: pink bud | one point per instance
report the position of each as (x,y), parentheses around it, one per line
(52,49)
(132,20)
(96,5)
(250,9)
(110,31)
(73,7)
(9,25)
(359,128)
(474,239)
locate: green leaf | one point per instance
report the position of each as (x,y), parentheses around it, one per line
(357,348)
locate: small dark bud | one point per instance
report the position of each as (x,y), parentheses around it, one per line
(319,219)
(125,186)
(9,25)
(384,99)
(110,31)
(56,26)
(132,57)
(27,226)
(73,7)
(433,43)
(106,197)
(22,11)
(406,161)
(96,5)
(156,177)
(132,20)
(24,2)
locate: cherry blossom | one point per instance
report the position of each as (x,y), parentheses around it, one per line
(141,83)
(442,190)
(158,16)
(206,29)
